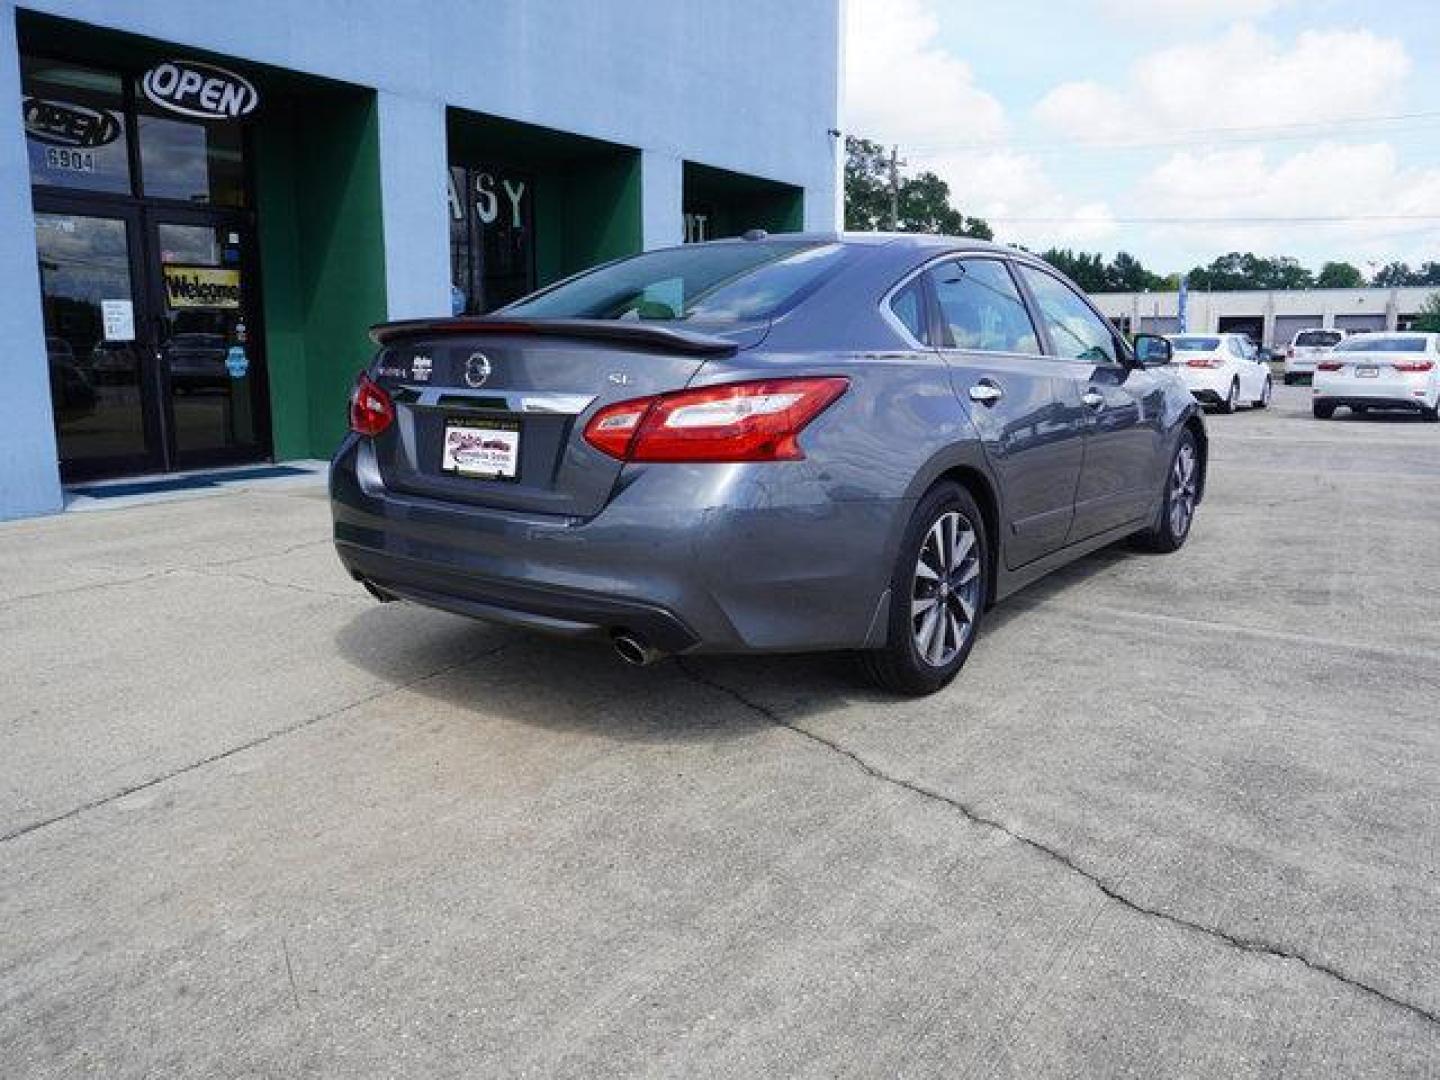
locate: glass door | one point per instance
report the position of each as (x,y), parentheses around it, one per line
(101,373)
(206,336)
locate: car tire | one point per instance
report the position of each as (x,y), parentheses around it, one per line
(1323,410)
(939,565)
(1431,414)
(1178,500)
(1265,392)
(1232,399)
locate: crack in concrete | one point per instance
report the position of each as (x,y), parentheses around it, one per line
(260,740)
(1243,943)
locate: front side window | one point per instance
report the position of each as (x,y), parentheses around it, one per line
(1076,332)
(714,283)
(981,307)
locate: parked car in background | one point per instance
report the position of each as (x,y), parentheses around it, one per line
(1308,348)
(1380,371)
(1222,370)
(811,442)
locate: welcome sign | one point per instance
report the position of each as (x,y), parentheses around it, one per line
(201,286)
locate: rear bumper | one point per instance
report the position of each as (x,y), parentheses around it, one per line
(1380,393)
(717,558)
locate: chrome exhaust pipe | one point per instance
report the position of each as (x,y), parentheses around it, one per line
(634,650)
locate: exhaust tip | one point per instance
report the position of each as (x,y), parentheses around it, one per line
(635,651)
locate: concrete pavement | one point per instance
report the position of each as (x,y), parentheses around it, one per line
(1177,817)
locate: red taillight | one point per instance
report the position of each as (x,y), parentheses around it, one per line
(1329,365)
(1204,361)
(1412,365)
(371,410)
(749,421)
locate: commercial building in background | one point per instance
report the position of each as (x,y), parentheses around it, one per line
(1271,317)
(223,197)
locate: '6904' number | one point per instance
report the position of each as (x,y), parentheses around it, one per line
(58,157)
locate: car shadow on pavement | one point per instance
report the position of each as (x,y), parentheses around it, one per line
(582,686)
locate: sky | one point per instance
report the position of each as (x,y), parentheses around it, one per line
(1176,130)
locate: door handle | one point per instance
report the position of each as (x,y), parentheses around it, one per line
(986,393)
(1094,399)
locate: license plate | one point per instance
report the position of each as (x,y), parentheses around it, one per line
(1367,372)
(486,448)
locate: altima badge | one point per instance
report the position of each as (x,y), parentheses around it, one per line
(477,370)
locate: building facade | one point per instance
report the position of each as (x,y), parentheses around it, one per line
(206,204)
(1272,318)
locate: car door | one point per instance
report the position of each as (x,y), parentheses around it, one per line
(1123,405)
(1237,362)
(1024,407)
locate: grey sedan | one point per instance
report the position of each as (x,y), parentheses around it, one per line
(802,442)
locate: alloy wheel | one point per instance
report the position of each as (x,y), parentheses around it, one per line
(1183,488)
(946,589)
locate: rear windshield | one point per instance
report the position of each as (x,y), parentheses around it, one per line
(1317,337)
(1194,344)
(1379,343)
(711,283)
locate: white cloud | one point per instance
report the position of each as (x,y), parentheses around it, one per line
(902,87)
(1331,180)
(1242,78)
(1148,12)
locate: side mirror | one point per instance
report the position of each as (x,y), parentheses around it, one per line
(1152,350)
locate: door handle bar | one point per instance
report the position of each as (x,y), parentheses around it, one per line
(986,393)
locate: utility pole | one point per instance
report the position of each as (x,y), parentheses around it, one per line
(894,188)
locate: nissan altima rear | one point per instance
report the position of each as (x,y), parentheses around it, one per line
(768,444)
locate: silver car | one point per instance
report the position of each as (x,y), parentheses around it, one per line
(801,442)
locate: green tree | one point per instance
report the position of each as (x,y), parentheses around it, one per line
(1245,270)
(923,201)
(1394,273)
(867,185)
(1339,275)
(1428,274)
(1085,269)
(1126,274)
(1429,314)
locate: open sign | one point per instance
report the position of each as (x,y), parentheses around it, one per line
(203,91)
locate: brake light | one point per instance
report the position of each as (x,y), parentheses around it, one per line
(1204,361)
(749,421)
(371,410)
(1329,365)
(1413,365)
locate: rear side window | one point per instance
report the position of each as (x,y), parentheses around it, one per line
(981,307)
(1075,331)
(1325,338)
(908,305)
(711,283)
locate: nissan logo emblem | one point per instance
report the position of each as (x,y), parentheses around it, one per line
(477,370)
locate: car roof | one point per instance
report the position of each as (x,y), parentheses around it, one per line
(901,240)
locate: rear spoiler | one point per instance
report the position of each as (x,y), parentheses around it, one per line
(631,333)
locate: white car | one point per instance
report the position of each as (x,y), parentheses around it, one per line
(1380,371)
(1221,369)
(1307,349)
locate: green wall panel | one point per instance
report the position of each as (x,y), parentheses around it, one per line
(322,261)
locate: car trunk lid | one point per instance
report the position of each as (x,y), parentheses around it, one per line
(525,388)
